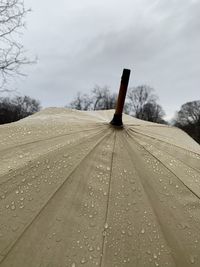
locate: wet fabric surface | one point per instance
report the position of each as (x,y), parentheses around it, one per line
(75,191)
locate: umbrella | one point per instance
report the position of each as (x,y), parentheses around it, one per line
(77,191)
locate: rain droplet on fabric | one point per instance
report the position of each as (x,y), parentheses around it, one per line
(106,225)
(83,261)
(192,259)
(90,248)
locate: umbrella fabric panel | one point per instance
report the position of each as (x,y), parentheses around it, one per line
(75,191)
(68,229)
(44,125)
(175,204)
(133,236)
(27,186)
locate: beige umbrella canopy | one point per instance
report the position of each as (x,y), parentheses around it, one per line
(75,191)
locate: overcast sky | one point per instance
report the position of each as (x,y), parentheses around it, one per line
(82,43)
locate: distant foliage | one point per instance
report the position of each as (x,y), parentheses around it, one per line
(19,107)
(99,99)
(81,102)
(103,98)
(153,112)
(188,119)
(142,104)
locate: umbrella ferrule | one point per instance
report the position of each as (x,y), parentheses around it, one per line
(117,119)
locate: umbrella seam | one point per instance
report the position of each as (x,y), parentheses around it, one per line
(165,142)
(44,206)
(107,206)
(166,168)
(41,140)
(198,171)
(36,159)
(151,205)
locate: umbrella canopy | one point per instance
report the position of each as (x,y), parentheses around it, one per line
(76,191)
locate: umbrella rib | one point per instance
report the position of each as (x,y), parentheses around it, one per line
(150,125)
(37,160)
(45,205)
(50,138)
(184,163)
(107,206)
(132,130)
(165,167)
(147,195)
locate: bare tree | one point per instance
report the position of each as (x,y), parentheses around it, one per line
(13,109)
(100,98)
(141,102)
(138,97)
(27,105)
(188,119)
(189,113)
(12,57)
(103,98)
(153,112)
(81,102)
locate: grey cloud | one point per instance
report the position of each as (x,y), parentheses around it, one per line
(80,45)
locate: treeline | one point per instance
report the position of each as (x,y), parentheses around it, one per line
(142,103)
(188,119)
(16,108)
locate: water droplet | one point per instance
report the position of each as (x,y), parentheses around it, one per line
(108,168)
(155,256)
(90,248)
(14,228)
(13,207)
(58,239)
(192,259)
(73,264)
(106,225)
(142,231)
(92,224)
(83,261)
